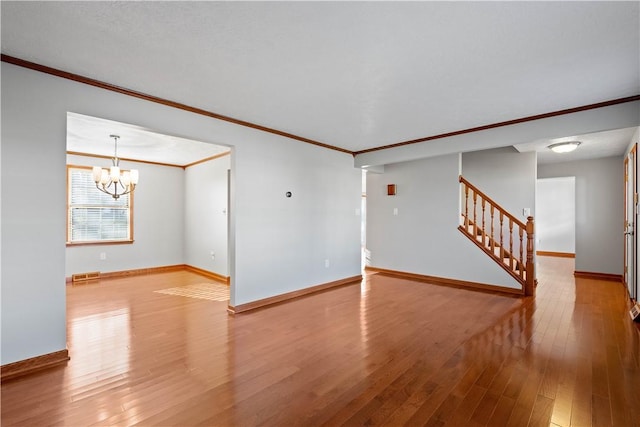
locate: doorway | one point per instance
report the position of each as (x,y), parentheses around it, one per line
(555,216)
(180,208)
(363,223)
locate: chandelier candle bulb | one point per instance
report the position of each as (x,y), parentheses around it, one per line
(115,173)
(126,178)
(112,181)
(97,174)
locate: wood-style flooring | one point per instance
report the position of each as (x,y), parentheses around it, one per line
(385,352)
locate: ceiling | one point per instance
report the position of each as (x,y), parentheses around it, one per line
(355,75)
(594,145)
(92,135)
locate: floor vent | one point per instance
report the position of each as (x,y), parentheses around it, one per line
(83,277)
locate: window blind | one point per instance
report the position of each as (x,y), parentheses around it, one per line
(93,215)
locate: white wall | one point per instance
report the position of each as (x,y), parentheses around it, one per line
(206,215)
(158,223)
(599,211)
(556,215)
(277,244)
(507,176)
(424,237)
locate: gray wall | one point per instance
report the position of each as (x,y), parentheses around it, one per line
(158,223)
(506,176)
(286,241)
(182,231)
(276,244)
(424,237)
(206,215)
(599,211)
(33,228)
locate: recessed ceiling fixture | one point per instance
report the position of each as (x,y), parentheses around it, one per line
(564,147)
(111,181)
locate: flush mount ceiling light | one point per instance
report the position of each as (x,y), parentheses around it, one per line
(564,147)
(111,181)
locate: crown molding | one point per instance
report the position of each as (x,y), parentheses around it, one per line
(202,112)
(505,123)
(108,86)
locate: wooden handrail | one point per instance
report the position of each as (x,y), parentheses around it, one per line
(518,262)
(491,202)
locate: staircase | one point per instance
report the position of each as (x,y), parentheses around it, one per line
(504,238)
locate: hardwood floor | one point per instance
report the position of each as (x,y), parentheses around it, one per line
(388,352)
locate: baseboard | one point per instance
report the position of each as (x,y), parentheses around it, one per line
(291,295)
(597,276)
(209,274)
(33,364)
(155,270)
(446,281)
(556,254)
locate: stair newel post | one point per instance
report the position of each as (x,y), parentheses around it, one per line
(530,282)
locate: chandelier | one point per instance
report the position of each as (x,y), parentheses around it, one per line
(113,182)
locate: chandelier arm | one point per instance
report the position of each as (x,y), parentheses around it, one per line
(131,188)
(117,183)
(101,189)
(128,189)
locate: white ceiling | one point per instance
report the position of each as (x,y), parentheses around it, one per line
(355,75)
(594,145)
(91,135)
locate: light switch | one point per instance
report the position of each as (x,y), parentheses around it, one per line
(526,212)
(395,211)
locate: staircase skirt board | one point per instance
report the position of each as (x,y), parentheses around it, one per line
(444,281)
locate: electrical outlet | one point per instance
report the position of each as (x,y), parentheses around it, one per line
(213,255)
(326,263)
(103,256)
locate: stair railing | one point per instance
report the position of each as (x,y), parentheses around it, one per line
(494,230)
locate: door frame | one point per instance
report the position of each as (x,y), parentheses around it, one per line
(630,222)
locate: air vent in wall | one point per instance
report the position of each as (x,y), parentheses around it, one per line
(83,277)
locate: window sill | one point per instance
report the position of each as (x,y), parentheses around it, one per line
(101,242)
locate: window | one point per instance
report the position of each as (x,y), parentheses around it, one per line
(93,216)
